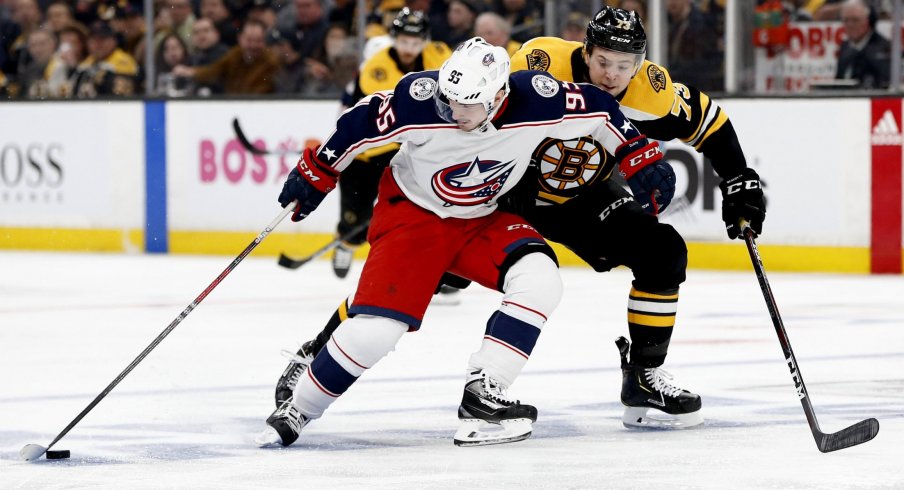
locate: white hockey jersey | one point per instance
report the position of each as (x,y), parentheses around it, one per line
(461,174)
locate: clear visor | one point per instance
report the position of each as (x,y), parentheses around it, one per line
(444,108)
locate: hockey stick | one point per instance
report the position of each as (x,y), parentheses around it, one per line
(246,143)
(862,431)
(34,451)
(290,263)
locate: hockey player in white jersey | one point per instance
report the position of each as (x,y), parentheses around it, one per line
(468,133)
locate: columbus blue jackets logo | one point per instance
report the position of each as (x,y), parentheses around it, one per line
(471,184)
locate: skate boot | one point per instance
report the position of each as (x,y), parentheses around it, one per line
(298,364)
(283,426)
(651,401)
(447,296)
(342,260)
(488,416)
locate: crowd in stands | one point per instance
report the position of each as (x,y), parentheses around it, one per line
(96,48)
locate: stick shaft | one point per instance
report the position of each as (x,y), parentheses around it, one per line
(251,246)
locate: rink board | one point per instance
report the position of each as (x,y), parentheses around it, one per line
(84,177)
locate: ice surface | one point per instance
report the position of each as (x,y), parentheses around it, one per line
(185,417)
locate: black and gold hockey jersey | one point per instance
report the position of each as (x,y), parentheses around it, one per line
(661,108)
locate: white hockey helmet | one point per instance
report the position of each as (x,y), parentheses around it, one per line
(475,73)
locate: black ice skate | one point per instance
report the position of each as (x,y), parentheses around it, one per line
(298,364)
(283,426)
(488,416)
(342,260)
(651,401)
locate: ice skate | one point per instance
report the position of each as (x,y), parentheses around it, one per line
(447,296)
(342,260)
(298,364)
(651,401)
(488,416)
(283,426)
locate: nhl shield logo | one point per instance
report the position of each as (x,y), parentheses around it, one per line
(422,88)
(545,86)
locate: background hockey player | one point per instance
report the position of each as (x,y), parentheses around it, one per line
(411,51)
(582,209)
(466,141)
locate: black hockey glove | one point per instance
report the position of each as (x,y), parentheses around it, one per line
(523,197)
(308,183)
(653,187)
(742,197)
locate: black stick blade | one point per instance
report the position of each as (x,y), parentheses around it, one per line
(290,263)
(245,142)
(861,432)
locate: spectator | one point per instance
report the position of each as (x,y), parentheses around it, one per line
(32,79)
(172,53)
(310,26)
(333,64)
(207,49)
(107,70)
(128,23)
(71,52)
(9,32)
(222,19)
(262,11)
(575,27)
(59,14)
(496,31)
(525,17)
(289,79)
(693,55)
(176,17)
(637,6)
(206,44)
(865,55)
(246,69)
(28,16)
(459,23)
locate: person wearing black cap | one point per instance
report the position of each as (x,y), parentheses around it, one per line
(284,46)
(108,70)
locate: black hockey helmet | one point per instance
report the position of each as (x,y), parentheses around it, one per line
(411,23)
(616,30)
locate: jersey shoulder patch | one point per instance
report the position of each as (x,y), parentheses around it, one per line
(657,77)
(545,85)
(422,88)
(537,59)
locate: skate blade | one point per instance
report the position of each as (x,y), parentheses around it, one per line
(651,418)
(476,432)
(268,438)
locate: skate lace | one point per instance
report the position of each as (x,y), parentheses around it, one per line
(494,391)
(293,417)
(660,380)
(301,364)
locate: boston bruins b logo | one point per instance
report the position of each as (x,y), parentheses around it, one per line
(568,165)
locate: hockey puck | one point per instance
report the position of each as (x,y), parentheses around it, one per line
(61,454)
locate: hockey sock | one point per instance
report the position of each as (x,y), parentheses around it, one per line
(506,346)
(651,317)
(356,345)
(339,316)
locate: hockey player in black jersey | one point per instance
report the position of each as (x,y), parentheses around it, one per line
(578,205)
